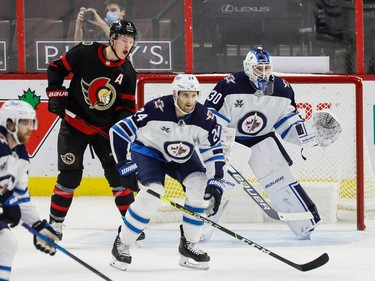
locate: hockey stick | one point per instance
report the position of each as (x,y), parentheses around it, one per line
(82,121)
(321,260)
(258,199)
(58,247)
(249,189)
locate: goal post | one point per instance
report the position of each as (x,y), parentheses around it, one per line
(342,166)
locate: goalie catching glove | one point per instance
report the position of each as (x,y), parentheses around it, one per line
(44,228)
(128,173)
(214,192)
(327,128)
(57,100)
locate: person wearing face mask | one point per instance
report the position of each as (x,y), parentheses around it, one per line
(101,92)
(90,26)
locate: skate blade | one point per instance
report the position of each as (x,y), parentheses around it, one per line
(190,263)
(119,265)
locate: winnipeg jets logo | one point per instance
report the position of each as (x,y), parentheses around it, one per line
(179,150)
(99,94)
(159,104)
(252,123)
(165,129)
(210,115)
(239,103)
(2,139)
(286,84)
(230,79)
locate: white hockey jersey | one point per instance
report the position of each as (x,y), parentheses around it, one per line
(14,166)
(236,104)
(155,131)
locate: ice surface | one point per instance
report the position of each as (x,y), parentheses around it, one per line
(91,227)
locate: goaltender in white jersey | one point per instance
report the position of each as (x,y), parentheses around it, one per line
(257,104)
(160,139)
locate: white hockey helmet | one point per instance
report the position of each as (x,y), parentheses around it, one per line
(15,110)
(184,82)
(257,66)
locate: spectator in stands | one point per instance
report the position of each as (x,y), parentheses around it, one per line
(88,21)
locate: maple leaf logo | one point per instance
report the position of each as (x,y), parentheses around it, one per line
(30,97)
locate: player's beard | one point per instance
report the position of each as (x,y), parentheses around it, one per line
(23,138)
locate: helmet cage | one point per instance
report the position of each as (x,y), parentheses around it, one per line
(258,67)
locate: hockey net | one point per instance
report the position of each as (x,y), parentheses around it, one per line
(338,178)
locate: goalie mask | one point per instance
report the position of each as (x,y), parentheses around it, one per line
(15,111)
(185,83)
(257,66)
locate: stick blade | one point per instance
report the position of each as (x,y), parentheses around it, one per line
(318,262)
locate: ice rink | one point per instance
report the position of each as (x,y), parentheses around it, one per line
(91,227)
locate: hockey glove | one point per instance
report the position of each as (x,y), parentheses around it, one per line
(57,100)
(11,211)
(128,174)
(44,228)
(214,192)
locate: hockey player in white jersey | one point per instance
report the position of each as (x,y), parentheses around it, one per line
(257,104)
(17,120)
(159,140)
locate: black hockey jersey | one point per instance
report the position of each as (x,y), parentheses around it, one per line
(101,91)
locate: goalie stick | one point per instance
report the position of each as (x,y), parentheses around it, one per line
(58,247)
(249,189)
(319,261)
(259,200)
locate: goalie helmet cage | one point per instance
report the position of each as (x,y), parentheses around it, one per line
(342,164)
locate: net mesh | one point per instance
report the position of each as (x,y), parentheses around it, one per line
(323,166)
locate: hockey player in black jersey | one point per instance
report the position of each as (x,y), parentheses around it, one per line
(101,92)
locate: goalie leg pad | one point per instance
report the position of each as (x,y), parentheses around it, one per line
(286,194)
(139,213)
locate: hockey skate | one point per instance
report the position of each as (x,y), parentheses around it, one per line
(121,257)
(191,255)
(139,240)
(57,227)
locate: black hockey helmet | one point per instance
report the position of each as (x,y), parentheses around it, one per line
(122,27)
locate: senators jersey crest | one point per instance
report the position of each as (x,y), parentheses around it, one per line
(99,94)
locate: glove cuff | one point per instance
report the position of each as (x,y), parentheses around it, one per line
(126,169)
(58,93)
(217,183)
(40,225)
(10,200)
